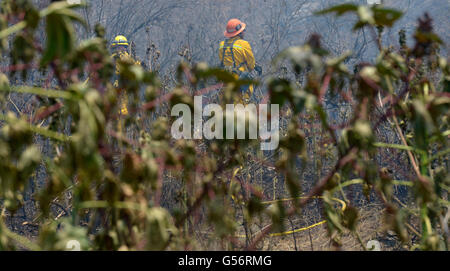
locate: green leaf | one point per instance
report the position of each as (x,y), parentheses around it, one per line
(51,93)
(280,90)
(13,29)
(423,124)
(36,129)
(368,15)
(4,82)
(60,31)
(386,16)
(339,9)
(159,229)
(351,217)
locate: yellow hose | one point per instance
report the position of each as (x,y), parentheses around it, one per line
(344,206)
(287,199)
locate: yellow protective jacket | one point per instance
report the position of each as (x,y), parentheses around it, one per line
(236,54)
(124,99)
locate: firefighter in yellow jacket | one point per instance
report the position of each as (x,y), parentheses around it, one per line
(236,55)
(120,47)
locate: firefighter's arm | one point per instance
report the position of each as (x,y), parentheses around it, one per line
(248,54)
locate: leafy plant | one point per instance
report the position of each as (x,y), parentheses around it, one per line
(106,172)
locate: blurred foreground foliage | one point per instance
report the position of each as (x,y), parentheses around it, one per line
(112,183)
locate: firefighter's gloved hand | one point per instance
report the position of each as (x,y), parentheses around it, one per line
(258,69)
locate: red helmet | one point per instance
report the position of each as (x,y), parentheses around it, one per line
(234,28)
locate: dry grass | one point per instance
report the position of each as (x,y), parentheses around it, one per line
(370,227)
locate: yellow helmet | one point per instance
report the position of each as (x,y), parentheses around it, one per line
(120,40)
